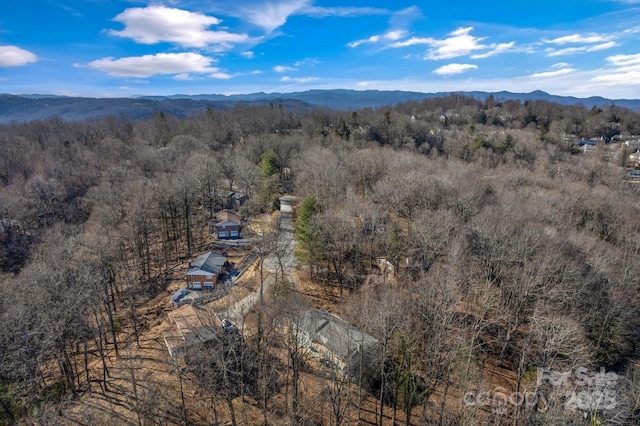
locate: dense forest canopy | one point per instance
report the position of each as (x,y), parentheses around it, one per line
(510,245)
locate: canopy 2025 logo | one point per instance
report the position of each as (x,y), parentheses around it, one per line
(579,390)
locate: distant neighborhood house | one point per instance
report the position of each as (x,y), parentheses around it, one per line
(204,271)
(228,225)
(586,142)
(224,230)
(223,199)
(385,265)
(237,199)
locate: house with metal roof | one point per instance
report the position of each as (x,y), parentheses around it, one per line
(190,326)
(332,340)
(204,271)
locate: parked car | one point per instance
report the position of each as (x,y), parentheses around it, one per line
(228,326)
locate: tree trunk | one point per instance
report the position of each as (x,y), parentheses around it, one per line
(381,400)
(187,217)
(295,382)
(100,346)
(112,324)
(68,371)
(8,413)
(134,384)
(232,411)
(182,401)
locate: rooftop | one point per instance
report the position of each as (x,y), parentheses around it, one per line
(335,334)
(191,325)
(225,224)
(207,263)
(228,216)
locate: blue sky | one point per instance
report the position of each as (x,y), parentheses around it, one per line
(122,48)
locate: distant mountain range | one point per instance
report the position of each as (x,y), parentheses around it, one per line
(22,108)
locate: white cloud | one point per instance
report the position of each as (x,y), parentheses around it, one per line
(150,65)
(71,11)
(495,50)
(413,41)
(453,69)
(394,35)
(221,76)
(591,42)
(345,12)
(581,49)
(155,24)
(308,61)
(625,72)
(270,15)
(561,65)
(248,54)
(404,18)
(13,56)
(632,30)
(398,22)
(459,43)
(288,79)
(185,76)
(556,73)
(630,76)
(283,68)
(624,60)
(257,72)
(578,38)
(390,36)
(370,40)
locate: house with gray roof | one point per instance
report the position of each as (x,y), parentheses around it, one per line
(225,199)
(204,271)
(332,340)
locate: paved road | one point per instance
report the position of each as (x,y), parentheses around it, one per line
(282,251)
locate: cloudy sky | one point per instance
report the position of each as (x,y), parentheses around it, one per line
(107,48)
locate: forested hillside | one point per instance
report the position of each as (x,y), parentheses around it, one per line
(24,108)
(509,252)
